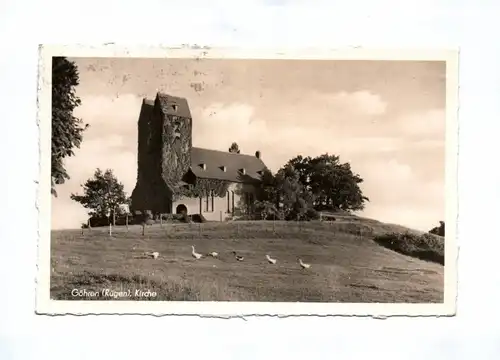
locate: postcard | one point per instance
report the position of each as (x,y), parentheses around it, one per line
(236,182)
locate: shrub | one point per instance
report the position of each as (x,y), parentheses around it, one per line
(438,230)
(168,217)
(312,214)
(198,218)
(423,246)
(309,214)
(96,221)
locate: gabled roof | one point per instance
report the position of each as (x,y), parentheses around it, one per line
(216,160)
(173,105)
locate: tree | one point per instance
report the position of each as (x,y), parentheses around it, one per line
(66,129)
(305,185)
(296,199)
(283,193)
(234,148)
(333,184)
(102,194)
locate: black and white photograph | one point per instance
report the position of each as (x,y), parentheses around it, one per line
(223,181)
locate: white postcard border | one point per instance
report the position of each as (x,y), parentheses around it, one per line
(44,305)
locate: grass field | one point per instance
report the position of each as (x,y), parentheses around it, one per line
(347,265)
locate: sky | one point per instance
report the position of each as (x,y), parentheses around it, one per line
(386,118)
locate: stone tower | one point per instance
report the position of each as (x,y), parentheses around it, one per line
(164,152)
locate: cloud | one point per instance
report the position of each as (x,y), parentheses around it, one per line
(359,102)
(241,123)
(427,124)
(105,115)
(341,113)
(395,191)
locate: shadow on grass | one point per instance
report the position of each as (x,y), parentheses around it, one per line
(422,246)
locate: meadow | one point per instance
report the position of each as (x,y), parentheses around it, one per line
(352,260)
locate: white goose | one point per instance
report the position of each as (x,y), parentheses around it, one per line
(213,254)
(239,258)
(303,265)
(154,254)
(195,254)
(270,260)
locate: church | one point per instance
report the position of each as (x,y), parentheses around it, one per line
(174,177)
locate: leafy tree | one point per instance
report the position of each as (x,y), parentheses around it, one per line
(296,199)
(268,189)
(102,194)
(234,148)
(66,129)
(283,193)
(332,183)
(305,184)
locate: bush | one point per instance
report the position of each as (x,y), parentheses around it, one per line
(167,217)
(198,218)
(438,230)
(310,214)
(99,221)
(423,246)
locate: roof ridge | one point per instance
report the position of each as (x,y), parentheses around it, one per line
(221,151)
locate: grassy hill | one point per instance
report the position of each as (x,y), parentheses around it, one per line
(347,264)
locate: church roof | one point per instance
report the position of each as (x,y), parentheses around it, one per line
(223,165)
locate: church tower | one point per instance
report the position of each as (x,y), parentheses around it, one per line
(177,139)
(164,151)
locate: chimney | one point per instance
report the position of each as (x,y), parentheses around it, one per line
(257,154)
(243,171)
(203,166)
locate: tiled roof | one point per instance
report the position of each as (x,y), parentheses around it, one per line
(173,105)
(222,165)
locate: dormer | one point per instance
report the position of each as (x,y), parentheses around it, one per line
(243,171)
(260,172)
(223,168)
(175,107)
(203,166)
